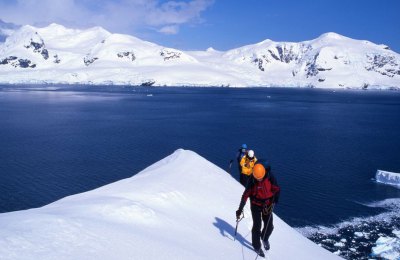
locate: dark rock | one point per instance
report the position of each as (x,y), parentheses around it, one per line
(128,54)
(311,67)
(273,55)
(25,63)
(89,60)
(38,47)
(286,53)
(259,62)
(15,62)
(169,54)
(323,69)
(45,54)
(56,59)
(7,60)
(386,65)
(148,83)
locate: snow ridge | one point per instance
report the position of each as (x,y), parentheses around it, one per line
(55,54)
(174,209)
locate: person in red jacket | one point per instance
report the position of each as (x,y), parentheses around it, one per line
(263,191)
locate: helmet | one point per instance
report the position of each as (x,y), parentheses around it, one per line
(244,146)
(250,153)
(258,171)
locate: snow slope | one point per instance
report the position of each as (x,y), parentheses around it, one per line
(55,54)
(182,207)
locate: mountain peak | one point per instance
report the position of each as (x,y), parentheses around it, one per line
(56,26)
(211,49)
(331,35)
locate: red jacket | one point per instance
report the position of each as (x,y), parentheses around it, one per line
(261,192)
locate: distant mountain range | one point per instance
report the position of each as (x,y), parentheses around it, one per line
(58,55)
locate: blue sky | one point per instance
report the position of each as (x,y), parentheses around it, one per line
(221,24)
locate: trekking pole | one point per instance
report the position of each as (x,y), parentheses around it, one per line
(237,224)
(230,167)
(269,218)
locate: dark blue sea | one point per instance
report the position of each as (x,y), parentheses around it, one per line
(324,145)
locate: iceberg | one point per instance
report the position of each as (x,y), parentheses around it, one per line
(385,177)
(388,247)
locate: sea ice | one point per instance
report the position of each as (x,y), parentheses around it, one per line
(358,234)
(387,177)
(388,247)
(339,244)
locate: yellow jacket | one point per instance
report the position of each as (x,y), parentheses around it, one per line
(247,165)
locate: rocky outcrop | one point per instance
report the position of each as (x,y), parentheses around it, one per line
(38,47)
(384,64)
(169,54)
(89,60)
(56,59)
(127,54)
(17,63)
(283,53)
(147,83)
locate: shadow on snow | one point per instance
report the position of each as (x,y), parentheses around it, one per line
(228,231)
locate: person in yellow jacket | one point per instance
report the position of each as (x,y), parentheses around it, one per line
(247,164)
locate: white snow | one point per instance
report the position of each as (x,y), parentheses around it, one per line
(386,177)
(388,247)
(182,207)
(330,61)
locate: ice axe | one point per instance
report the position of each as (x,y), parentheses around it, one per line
(237,224)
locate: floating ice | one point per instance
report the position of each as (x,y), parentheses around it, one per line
(354,238)
(358,234)
(385,177)
(388,247)
(339,244)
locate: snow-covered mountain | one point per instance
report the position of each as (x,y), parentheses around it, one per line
(56,54)
(174,209)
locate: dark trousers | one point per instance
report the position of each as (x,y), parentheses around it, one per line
(256,233)
(244,179)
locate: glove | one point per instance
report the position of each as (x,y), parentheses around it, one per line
(238,213)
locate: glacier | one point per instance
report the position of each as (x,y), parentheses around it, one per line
(386,177)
